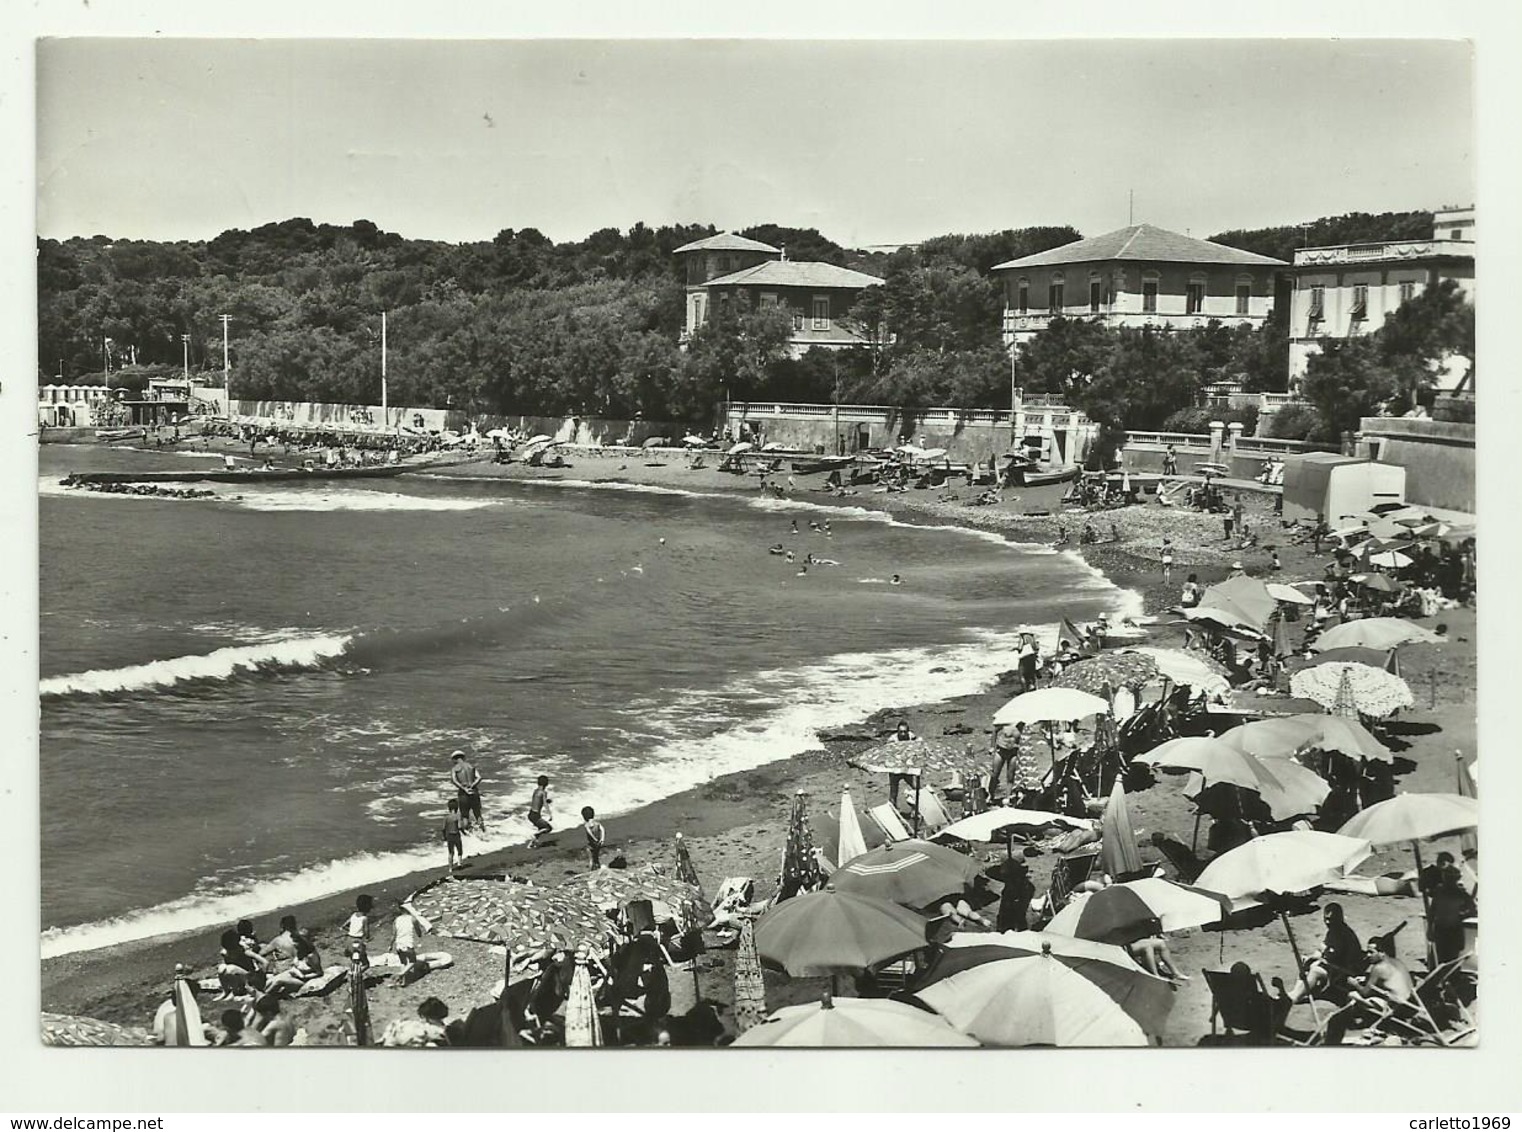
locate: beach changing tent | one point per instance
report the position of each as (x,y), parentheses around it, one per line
(1338,487)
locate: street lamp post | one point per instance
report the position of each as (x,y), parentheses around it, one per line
(185,344)
(227,370)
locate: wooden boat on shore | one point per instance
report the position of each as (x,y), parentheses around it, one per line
(1040,477)
(250,475)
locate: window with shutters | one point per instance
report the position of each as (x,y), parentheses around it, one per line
(1054,297)
(1149,294)
(1318,303)
(1407,291)
(821,312)
(1244,297)
(1023,296)
(1360,302)
(1096,295)
(1194,296)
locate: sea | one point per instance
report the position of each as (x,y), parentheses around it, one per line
(250,700)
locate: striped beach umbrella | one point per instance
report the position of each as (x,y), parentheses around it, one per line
(1124,913)
(913,873)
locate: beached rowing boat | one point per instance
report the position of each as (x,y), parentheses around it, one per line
(251,475)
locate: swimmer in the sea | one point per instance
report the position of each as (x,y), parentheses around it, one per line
(775,549)
(795,527)
(895,581)
(825,562)
(802,570)
(790,556)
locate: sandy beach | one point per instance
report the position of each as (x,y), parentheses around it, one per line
(735,825)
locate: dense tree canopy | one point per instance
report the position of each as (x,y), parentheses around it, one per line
(520,323)
(1352,228)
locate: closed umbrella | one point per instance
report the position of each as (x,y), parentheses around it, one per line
(684,868)
(359,999)
(1375,633)
(187,1028)
(1118,849)
(750,983)
(1042,989)
(1373,691)
(916,874)
(845,1023)
(583,1028)
(1124,913)
(851,843)
(1468,788)
(800,865)
(1051,705)
(993,824)
(831,932)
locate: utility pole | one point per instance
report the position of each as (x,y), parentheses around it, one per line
(227,369)
(185,343)
(1130,207)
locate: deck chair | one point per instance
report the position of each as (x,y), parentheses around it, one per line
(887,819)
(1247,1012)
(1067,874)
(933,815)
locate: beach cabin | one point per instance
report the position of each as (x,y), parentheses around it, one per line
(1338,486)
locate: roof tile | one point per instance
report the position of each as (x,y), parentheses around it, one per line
(1142,242)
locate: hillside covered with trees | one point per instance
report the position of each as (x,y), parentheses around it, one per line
(521,324)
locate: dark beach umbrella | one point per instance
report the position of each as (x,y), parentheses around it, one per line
(832,933)
(915,874)
(1125,913)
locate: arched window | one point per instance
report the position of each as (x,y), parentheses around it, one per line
(1022,294)
(1055,297)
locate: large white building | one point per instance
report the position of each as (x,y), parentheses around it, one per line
(1137,276)
(1348,290)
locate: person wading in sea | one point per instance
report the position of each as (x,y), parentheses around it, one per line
(467,784)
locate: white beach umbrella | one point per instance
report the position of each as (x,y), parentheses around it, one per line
(743,446)
(1051,705)
(987,825)
(1281,592)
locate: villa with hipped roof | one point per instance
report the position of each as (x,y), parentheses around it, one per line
(1137,276)
(729,272)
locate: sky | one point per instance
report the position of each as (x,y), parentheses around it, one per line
(870,142)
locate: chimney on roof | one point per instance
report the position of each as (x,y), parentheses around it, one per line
(784,253)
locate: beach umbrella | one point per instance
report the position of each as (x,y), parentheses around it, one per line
(1350,654)
(1115,670)
(915,756)
(656,442)
(1196,670)
(800,864)
(1247,598)
(773,446)
(1118,851)
(1187,753)
(498,434)
(1380,583)
(522,916)
(993,824)
(1389,560)
(671,897)
(1280,592)
(845,1023)
(1343,735)
(1371,691)
(1287,789)
(1413,817)
(851,842)
(831,932)
(1039,988)
(583,1028)
(743,446)
(70,1030)
(1282,863)
(1124,913)
(1051,705)
(1375,633)
(750,983)
(187,1027)
(914,873)
(1225,618)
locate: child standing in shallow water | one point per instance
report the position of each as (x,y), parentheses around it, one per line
(452,841)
